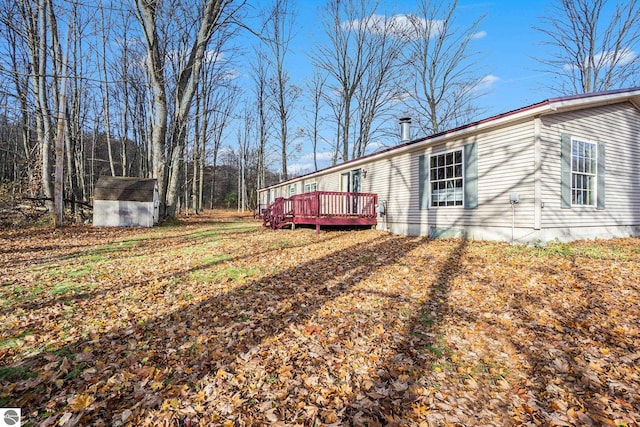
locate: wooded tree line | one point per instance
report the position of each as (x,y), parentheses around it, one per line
(151,88)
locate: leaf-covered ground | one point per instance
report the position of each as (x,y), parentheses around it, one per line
(216,321)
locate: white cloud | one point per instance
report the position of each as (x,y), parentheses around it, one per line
(374,146)
(486,82)
(625,56)
(231,74)
(299,168)
(478,35)
(606,59)
(406,26)
(322,156)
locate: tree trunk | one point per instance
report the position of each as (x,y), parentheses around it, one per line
(45,130)
(155,62)
(105,94)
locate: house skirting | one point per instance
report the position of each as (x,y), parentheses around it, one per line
(520,235)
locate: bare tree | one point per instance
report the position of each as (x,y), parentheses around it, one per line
(592,50)
(106,98)
(15,69)
(316,90)
(345,58)
(212,15)
(444,78)
(35,24)
(284,95)
(378,91)
(264,119)
(74,141)
(125,72)
(223,104)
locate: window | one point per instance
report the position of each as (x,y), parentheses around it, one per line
(445,178)
(450,178)
(292,190)
(584,168)
(309,188)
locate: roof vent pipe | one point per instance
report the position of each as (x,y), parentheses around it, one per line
(405,124)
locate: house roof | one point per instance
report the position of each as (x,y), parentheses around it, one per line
(546,107)
(124,189)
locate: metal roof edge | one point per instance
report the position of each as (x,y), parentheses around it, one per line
(548,106)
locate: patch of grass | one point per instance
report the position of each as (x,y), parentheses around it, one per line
(13,341)
(203,276)
(601,252)
(96,258)
(19,373)
(236,273)
(80,272)
(116,247)
(439,349)
(67,287)
(64,352)
(203,235)
(214,259)
(271,379)
(591,250)
(280,244)
(76,371)
(6,402)
(425,319)
(22,294)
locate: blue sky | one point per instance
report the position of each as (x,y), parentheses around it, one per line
(505,51)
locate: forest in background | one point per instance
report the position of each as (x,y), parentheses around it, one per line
(153,89)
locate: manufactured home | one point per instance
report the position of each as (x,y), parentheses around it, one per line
(566,168)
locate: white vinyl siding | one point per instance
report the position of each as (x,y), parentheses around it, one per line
(505,164)
(618,128)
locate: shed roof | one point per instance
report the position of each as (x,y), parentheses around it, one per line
(125,189)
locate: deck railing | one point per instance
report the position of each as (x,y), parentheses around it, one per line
(322,208)
(334,204)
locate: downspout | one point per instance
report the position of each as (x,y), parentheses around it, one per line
(537,174)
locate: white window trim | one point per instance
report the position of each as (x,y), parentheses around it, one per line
(594,197)
(293,187)
(428,173)
(307,187)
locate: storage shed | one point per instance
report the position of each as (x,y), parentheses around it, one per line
(123,201)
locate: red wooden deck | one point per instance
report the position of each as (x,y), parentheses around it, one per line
(322,208)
